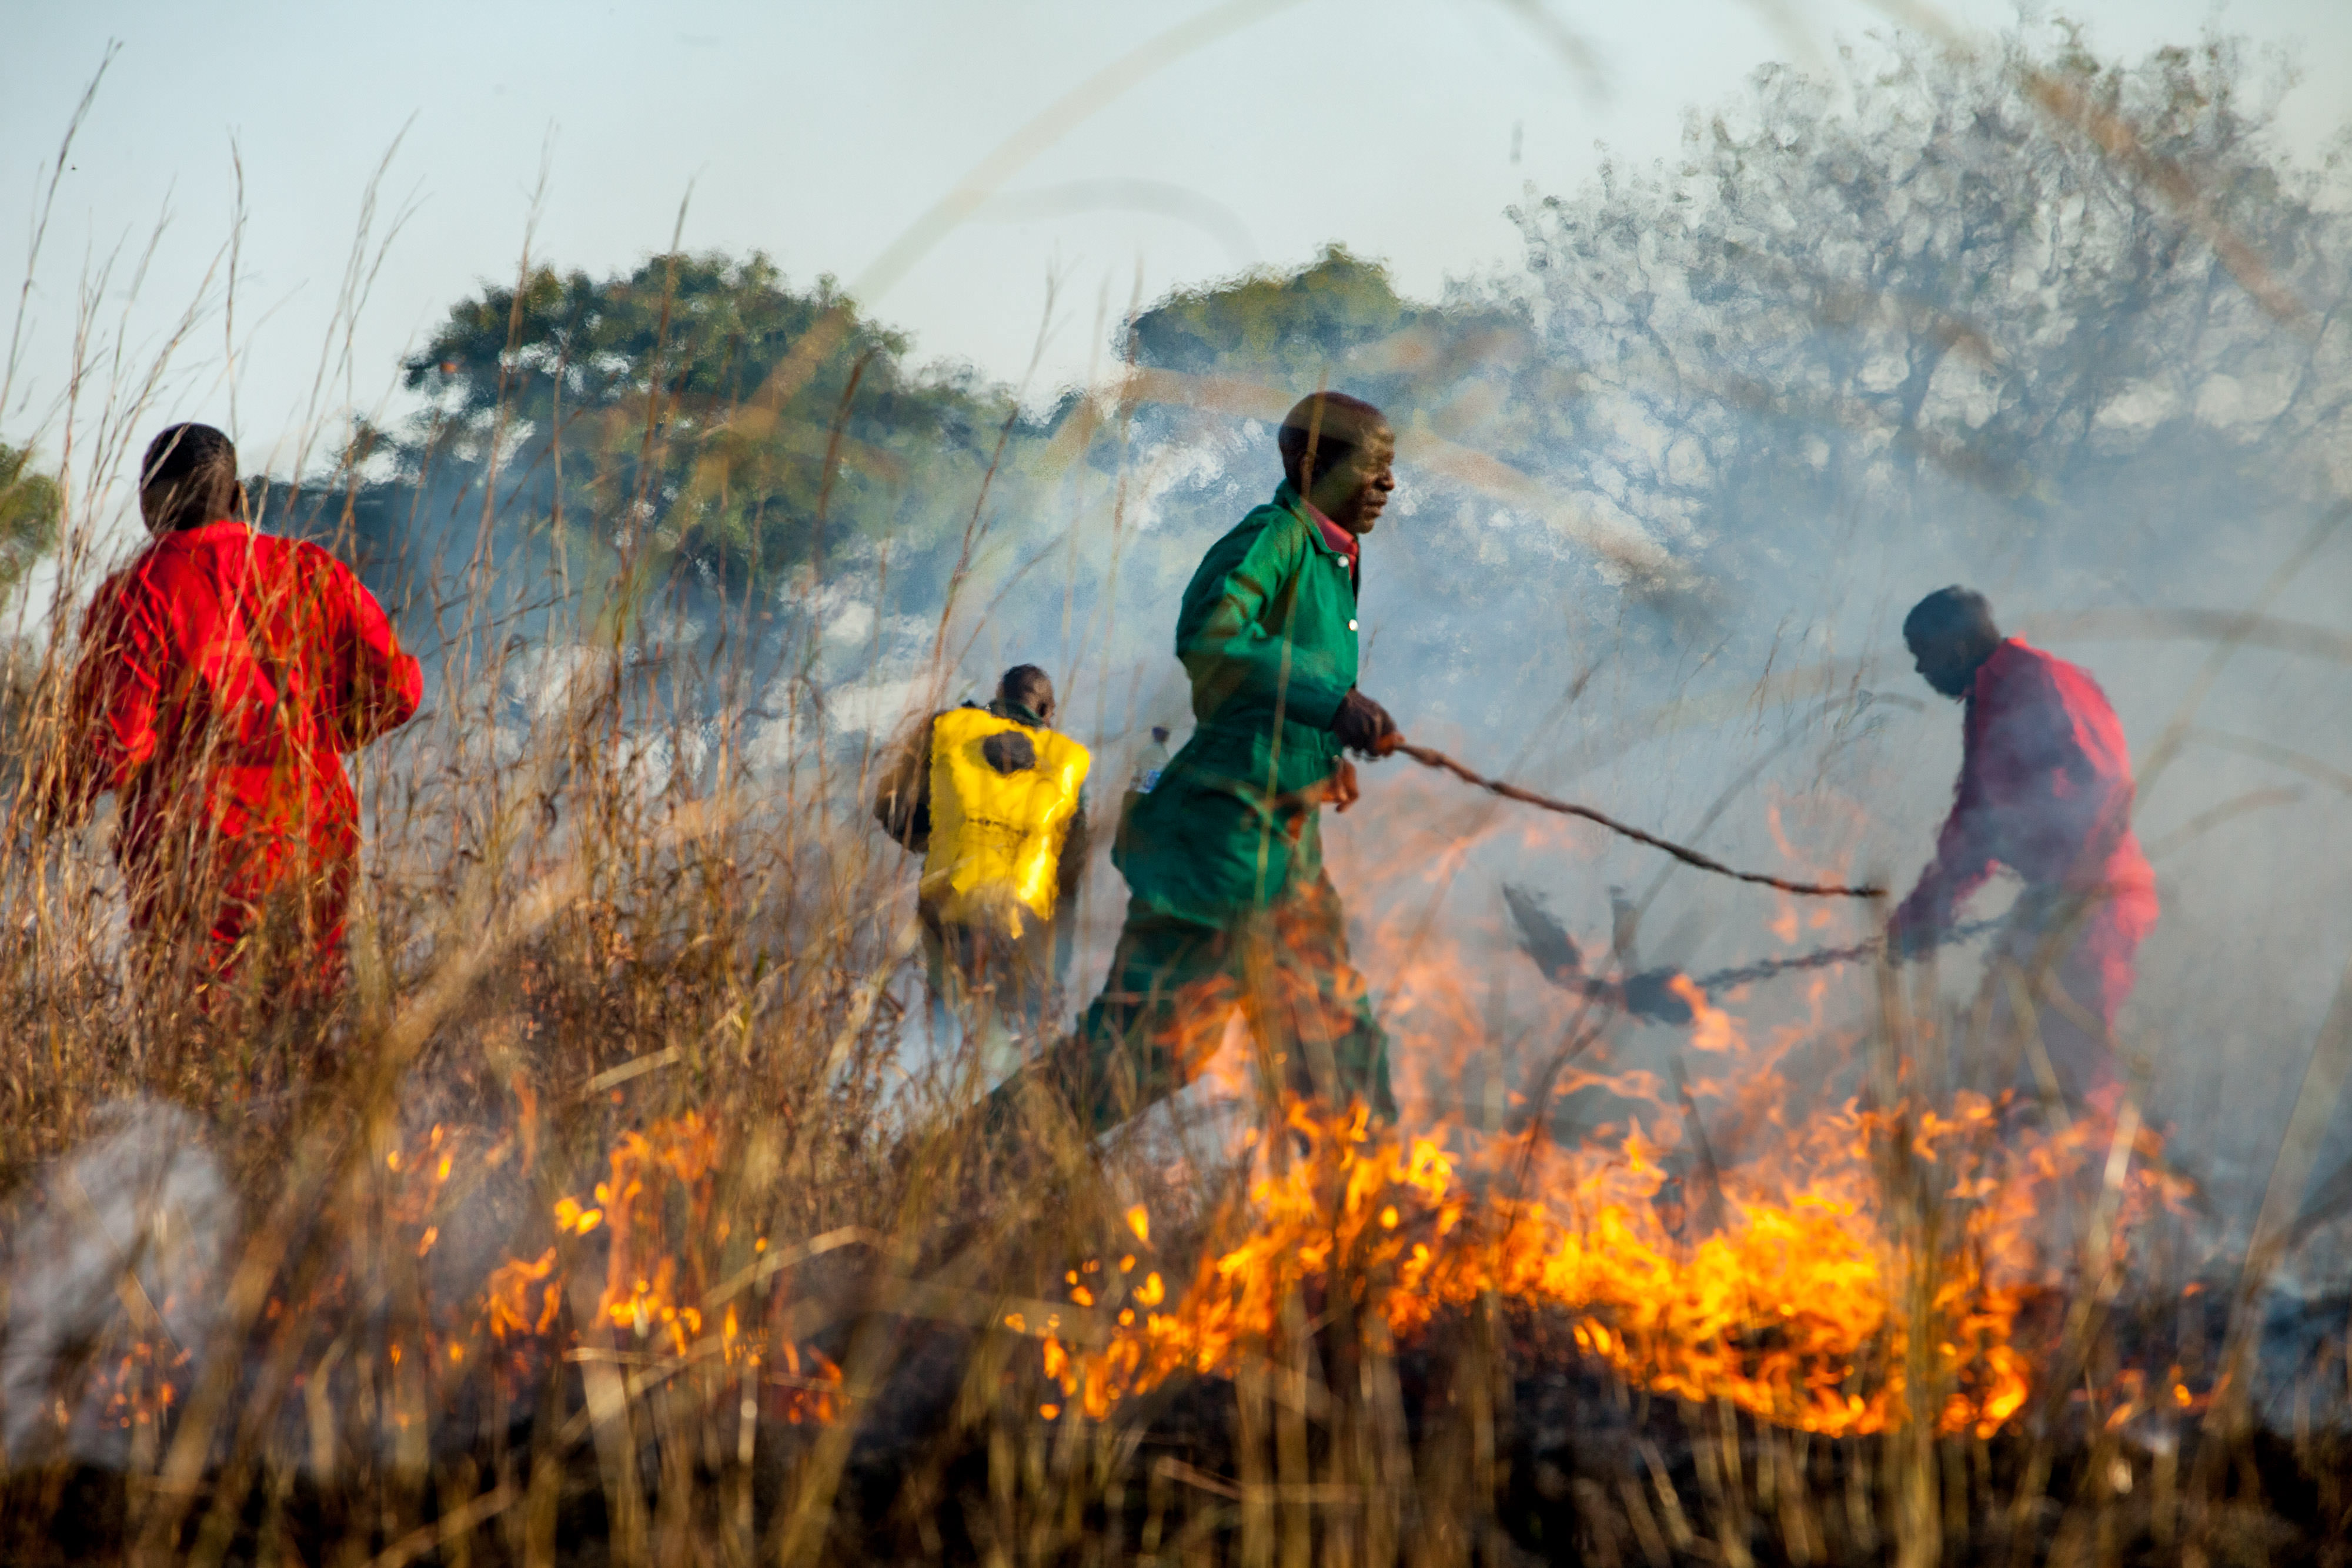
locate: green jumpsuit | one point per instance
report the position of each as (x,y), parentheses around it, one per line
(1229,901)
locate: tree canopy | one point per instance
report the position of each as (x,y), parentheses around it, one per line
(2022,300)
(30,508)
(701,396)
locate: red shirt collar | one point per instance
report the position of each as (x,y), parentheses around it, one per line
(205,530)
(2004,657)
(1343,544)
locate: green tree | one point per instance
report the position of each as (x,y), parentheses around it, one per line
(1470,365)
(692,404)
(30,506)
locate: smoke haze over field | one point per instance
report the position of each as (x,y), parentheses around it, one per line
(1667,491)
(1673,469)
(629,1189)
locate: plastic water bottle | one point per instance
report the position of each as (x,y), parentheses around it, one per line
(1154,762)
(1141,782)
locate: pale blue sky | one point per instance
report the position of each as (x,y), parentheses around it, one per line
(821,132)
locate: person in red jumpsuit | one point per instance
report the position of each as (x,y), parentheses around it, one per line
(2045,789)
(220,675)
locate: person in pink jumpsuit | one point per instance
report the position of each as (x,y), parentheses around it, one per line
(220,676)
(2045,789)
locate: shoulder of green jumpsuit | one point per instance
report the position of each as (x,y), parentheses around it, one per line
(1018,712)
(1277,534)
(1235,683)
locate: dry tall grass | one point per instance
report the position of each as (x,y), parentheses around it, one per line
(622,1210)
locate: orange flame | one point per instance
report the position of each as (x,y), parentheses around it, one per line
(655,1282)
(1790,1308)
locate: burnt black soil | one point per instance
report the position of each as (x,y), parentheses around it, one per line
(1578,1469)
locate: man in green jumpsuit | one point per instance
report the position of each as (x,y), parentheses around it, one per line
(1229,904)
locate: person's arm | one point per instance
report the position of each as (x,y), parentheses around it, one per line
(902,789)
(1963,864)
(1228,634)
(1077,843)
(378,685)
(109,732)
(1965,851)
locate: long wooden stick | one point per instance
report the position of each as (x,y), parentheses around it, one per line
(1688,856)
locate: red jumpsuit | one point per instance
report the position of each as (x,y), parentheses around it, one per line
(220,674)
(2045,789)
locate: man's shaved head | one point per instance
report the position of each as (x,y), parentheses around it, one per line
(1325,429)
(188,478)
(1027,686)
(1951,633)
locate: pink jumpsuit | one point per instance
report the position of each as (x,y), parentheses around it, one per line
(2045,789)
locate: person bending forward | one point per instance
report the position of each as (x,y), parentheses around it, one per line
(2045,789)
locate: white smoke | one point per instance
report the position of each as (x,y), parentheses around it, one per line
(110,1267)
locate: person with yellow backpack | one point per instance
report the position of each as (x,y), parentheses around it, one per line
(993,799)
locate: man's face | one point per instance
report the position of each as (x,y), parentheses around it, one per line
(1944,664)
(1353,494)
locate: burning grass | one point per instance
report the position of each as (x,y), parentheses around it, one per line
(620,1213)
(623,1210)
(1785,1307)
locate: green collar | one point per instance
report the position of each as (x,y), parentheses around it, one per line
(1287,497)
(1016,713)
